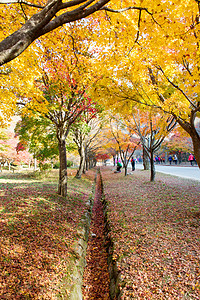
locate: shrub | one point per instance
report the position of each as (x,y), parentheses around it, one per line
(57,164)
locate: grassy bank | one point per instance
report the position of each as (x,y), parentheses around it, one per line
(156,236)
(37,231)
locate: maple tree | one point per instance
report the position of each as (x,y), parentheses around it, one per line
(95,140)
(9,150)
(150,125)
(38,135)
(58,90)
(35,19)
(62,101)
(63,114)
(152,129)
(85,133)
(107,144)
(127,143)
(178,143)
(157,62)
(102,156)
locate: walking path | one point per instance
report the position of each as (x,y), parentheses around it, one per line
(184,171)
(96,277)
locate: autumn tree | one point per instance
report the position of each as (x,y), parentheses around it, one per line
(160,66)
(127,143)
(180,143)
(152,134)
(37,134)
(108,145)
(102,156)
(28,21)
(9,150)
(3,147)
(65,104)
(58,87)
(85,131)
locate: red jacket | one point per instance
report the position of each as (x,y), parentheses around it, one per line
(191,157)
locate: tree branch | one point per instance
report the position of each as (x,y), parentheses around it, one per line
(176,86)
(124,9)
(21,2)
(44,22)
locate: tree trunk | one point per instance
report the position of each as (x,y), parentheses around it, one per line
(80,170)
(35,164)
(126,169)
(145,159)
(166,157)
(179,157)
(86,164)
(190,128)
(196,145)
(84,169)
(86,159)
(90,163)
(114,160)
(62,186)
(153,171)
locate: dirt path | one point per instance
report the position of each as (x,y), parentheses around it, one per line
(96,277)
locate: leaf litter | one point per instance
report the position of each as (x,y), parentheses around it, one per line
(155,230)
(37,231)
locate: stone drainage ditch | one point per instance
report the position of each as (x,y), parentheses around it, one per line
(96,282)
(95,273)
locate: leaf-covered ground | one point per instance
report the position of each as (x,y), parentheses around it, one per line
(156,234)
(96,277)
(37,231)
(154,226)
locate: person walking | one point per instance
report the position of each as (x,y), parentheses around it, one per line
(175,159)
(133,163)
(191,159)
(170,159)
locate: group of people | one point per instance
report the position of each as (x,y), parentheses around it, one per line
(119,165)
(173,158)
(157,159)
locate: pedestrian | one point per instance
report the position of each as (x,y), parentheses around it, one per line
(175,159)
(133,164)
(156,159)
(170,159)
(191,159)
